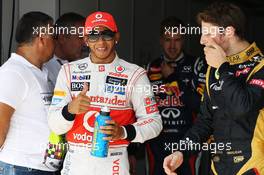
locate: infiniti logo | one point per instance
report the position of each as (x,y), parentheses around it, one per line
(174,112)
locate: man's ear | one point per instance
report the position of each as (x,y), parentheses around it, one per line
(85,38)
(117,37)
(230,31)
(40,40)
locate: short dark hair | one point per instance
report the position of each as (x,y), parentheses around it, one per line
(224,14)
(27,24)
(69,20)
(170,21)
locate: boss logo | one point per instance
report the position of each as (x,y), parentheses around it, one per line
(78,86)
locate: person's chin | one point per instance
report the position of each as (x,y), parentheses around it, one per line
(173,57)
(102,56)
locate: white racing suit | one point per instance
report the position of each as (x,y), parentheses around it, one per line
(123,87)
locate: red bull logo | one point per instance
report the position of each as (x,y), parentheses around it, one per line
(172,88)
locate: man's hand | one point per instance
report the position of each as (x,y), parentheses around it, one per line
(172,162)
(215,56)
(6,112)
(114,131)
(166,69)
(80,104)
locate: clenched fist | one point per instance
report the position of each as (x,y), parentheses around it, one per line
(215,56)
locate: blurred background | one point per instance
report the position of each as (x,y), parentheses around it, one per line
(138,21)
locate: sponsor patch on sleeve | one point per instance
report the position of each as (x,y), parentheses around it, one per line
(151,109)
(145,122)
(257,82)
(59,93)
(149,101)
(55,101)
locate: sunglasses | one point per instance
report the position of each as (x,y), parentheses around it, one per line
(106,35)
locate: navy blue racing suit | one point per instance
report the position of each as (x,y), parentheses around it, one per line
(178,99)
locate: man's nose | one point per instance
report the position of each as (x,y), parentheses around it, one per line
(101,40)
(203,40)
(172,44)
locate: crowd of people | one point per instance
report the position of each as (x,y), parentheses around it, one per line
(197,107)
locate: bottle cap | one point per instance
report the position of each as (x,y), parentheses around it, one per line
(105,109)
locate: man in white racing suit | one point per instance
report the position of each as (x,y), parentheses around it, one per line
(102,79)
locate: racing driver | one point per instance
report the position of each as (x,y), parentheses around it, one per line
(180,78)
(102,79)
(232,108)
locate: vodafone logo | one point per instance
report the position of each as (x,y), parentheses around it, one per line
(116,167)
(119,69)
(88,119)
(98,16)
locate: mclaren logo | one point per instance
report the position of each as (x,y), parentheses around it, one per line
(171,112)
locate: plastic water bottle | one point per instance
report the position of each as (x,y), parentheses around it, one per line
(99,145)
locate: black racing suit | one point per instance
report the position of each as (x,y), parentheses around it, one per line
(232,111)
(178,101)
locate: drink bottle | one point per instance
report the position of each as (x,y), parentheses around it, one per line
(99,145)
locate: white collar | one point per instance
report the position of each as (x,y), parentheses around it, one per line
(18,58)
(105,67)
